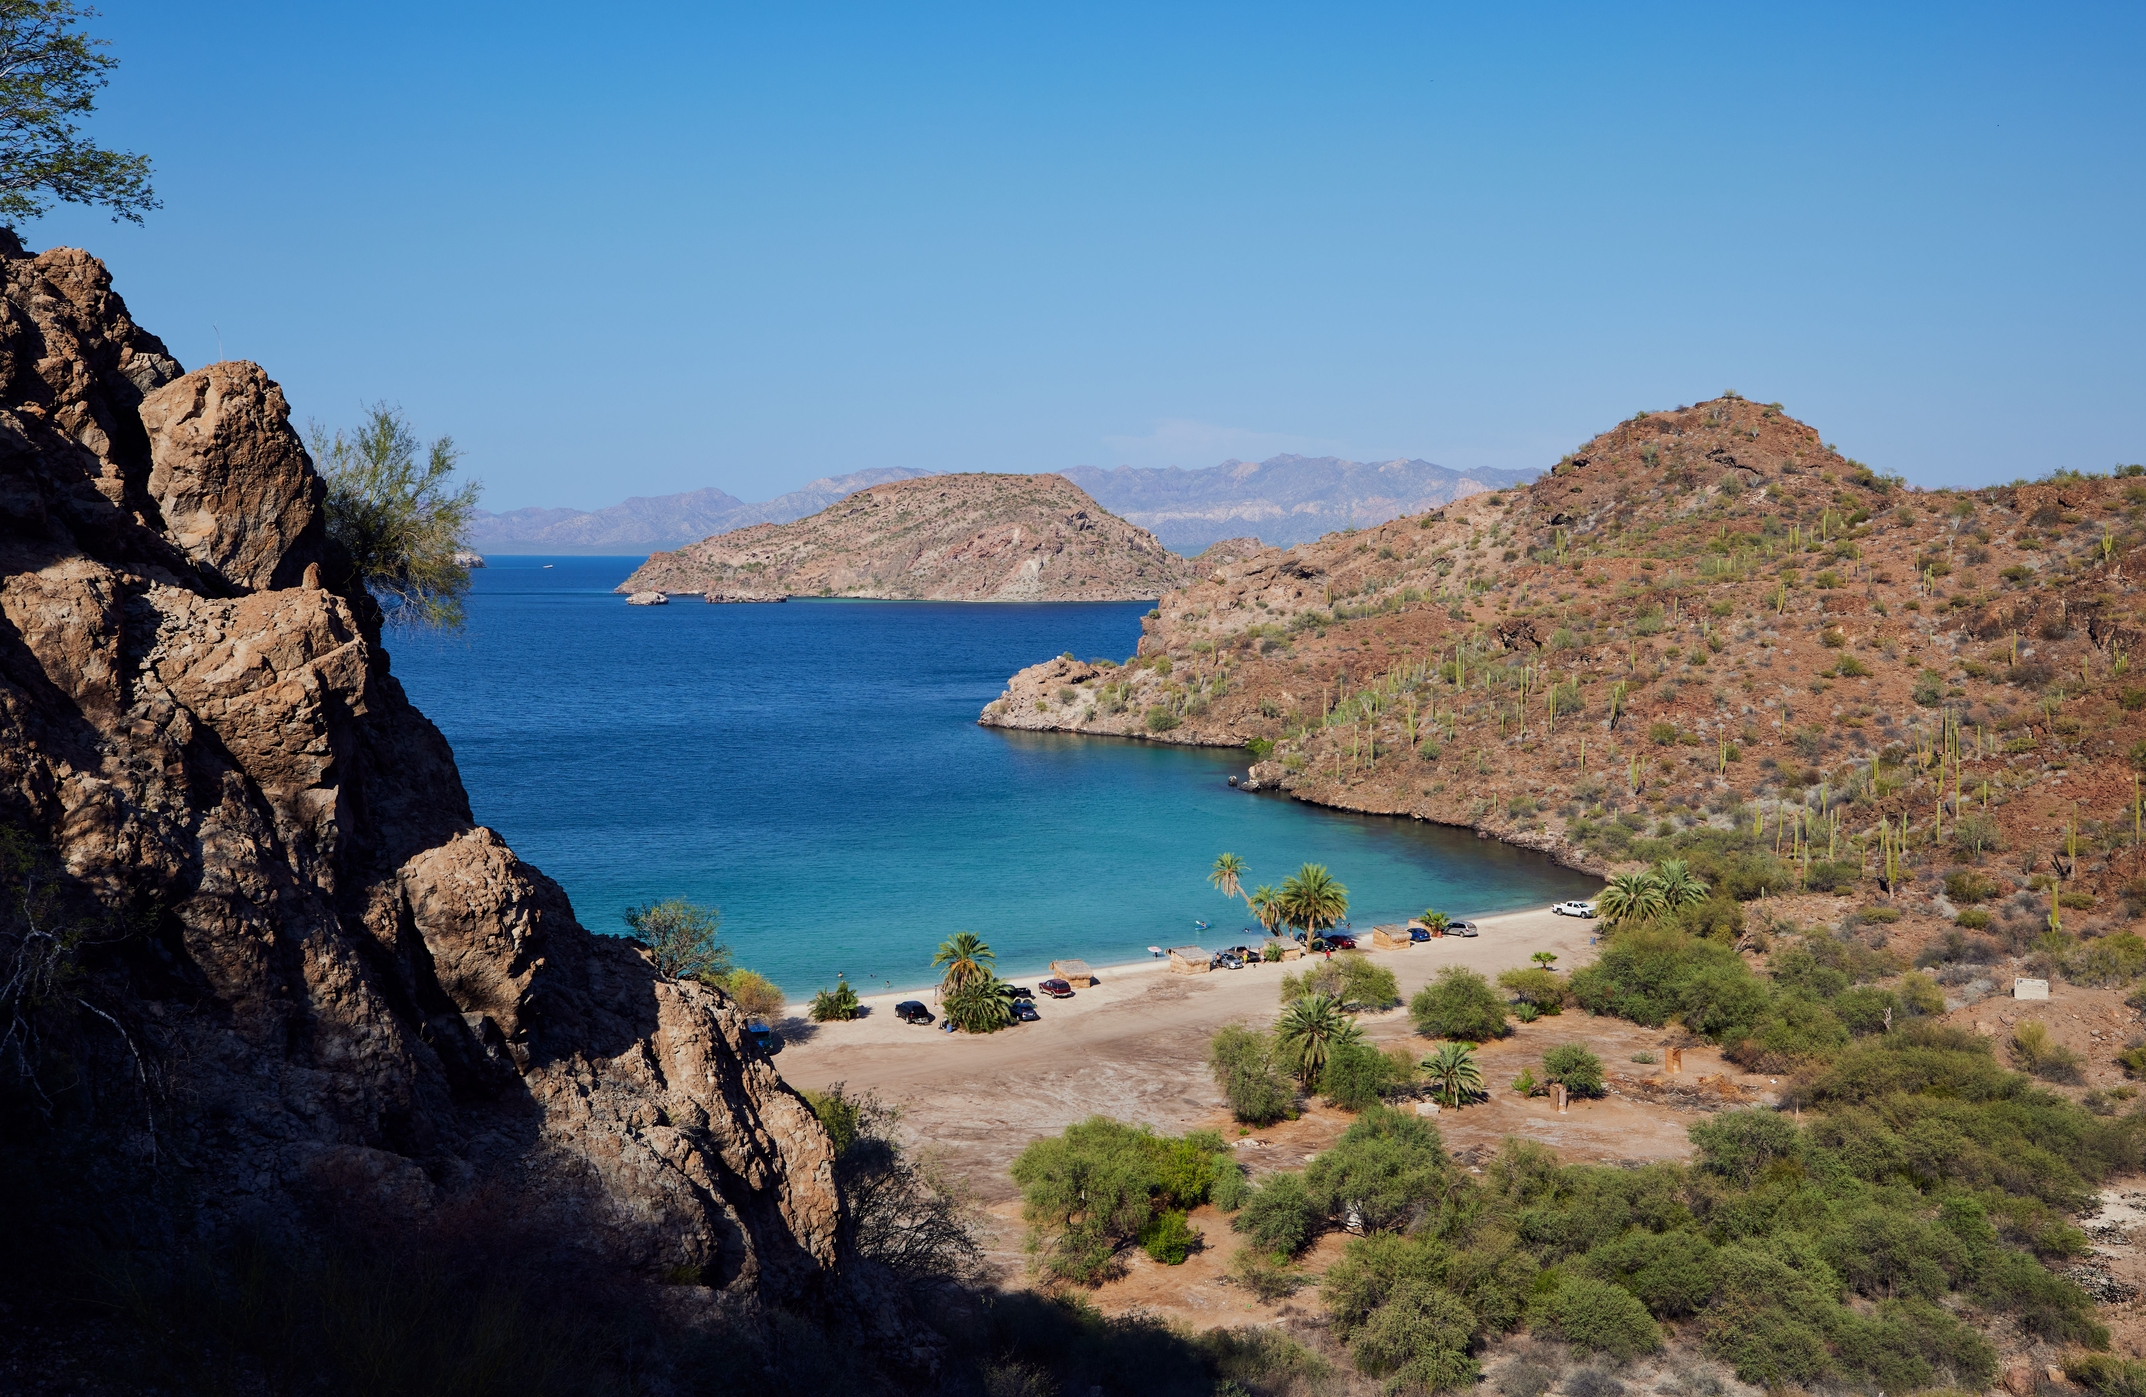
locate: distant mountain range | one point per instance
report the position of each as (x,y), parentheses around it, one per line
(1281,501)
(653,523)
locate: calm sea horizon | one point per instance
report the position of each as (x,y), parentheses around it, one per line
(814,769)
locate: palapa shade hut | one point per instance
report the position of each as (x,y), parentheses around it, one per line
(1390,938)
(1190,960)
(1074,972)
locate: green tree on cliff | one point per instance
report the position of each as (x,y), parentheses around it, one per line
(50,74)
(395,526)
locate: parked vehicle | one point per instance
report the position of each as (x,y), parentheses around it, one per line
(1229,960)
(1574,909)
(1417,933)
(763,1036)
(1020,992)
(913,1011)
(1341,941)
(1024,1010)
(1463,929)
(1056,989)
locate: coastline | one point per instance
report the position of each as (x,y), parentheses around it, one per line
(1133,972)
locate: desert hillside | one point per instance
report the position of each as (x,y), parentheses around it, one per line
(938,538)
(1733,622)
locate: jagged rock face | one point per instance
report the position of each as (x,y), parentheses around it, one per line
(359,986)
(940,538)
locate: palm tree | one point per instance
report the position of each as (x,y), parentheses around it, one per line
(1434,920)
(1226,876)
(980,1004)
(965,957)
(1631,897)
(1453,1072)
(1266,904)
(1310,1029)
(1311,899)
(1680,887)
(1545,959)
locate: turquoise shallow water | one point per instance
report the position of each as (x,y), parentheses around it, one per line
(814,769)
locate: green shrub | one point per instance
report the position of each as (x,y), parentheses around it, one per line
(2107,1374)
(2108,960)
(1973,918)
(1357,1075)
(1738,1145)
(1578,1070)
(1672,1273)
(1385,1166)
(1245,1067)
(1169,1238)
(1534,985)
(1228,1188)
(1417,1340)
(1365,983)
(1279,1216)
(1662,734)
(1460,1004)
(1596,1317)
(1965,886)
(1161,719)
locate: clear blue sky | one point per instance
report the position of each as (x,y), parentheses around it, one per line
(634,249)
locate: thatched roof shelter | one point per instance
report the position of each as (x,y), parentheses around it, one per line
(1190,960)
(1074,972)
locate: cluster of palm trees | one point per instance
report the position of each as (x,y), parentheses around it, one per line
(1309,900)
(1310,1030)
(1655,895)
(974,998)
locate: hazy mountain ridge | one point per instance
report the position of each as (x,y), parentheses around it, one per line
(1284,500)
(651,523)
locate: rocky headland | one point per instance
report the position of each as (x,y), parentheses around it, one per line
(262,958)
(1732,621)
(938,538)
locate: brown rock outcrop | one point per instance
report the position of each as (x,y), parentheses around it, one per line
(939,538)
(341,975)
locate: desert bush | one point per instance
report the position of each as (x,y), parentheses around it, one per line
(1365,983)
(1279,1216)
(1459,1004)
(1739,1145)
(1091,1192)
(753,993)
(1168,1238)
(1385,1167)
(681,938)
(2107,960)
(1965,886)
(1535,985)
(1266,1274)
(2035,1052)
(1357,1075)
(1245,1067)
(1576,1069)
(1596,1317)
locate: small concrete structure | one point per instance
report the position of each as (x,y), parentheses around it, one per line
(1390,938)
(1426,1108)
(1074,972)
(2030,989)
(1190,960)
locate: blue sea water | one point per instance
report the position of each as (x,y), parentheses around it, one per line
(814,769)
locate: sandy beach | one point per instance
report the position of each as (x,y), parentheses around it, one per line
(1131,1047)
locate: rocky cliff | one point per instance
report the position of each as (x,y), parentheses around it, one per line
(939,538)
(1705,618)
(268,955)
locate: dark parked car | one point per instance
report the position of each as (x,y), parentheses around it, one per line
(1024,1011)
(1417,933)
(913,1011)
(1056,989)
(763,1036)
(1020,992)
(1340,941)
